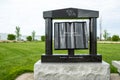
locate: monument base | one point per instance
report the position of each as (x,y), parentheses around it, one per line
(71,71)
(75,58)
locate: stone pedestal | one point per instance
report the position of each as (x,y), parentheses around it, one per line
(71,71)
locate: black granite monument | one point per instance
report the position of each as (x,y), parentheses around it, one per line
(71,35)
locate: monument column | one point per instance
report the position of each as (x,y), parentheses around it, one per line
(71,52)
(48,35)
(93,36)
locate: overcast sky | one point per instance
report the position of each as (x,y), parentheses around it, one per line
(28,14)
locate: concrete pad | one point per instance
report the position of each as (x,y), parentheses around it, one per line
(25,76)
(29,76)
(115,76)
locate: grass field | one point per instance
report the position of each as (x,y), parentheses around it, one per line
(17,58)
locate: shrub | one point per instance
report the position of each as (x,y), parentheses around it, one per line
(42,38)
(29,38)
(11,37)
(115,38)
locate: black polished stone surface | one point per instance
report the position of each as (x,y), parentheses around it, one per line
(70,13)
(75,58)
(71,42)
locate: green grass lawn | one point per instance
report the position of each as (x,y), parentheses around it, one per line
(17,58)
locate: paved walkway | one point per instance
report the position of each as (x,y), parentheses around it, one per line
(29,76)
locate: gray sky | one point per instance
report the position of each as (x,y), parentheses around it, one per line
(28,14)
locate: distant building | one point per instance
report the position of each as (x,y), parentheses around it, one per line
(38,37)
(3,36)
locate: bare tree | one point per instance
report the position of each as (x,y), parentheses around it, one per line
(18,33)
(105,35)
(33,35)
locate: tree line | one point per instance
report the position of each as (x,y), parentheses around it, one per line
(107,36)
(31,37)
(17,35)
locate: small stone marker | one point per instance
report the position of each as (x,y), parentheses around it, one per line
(117,65)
